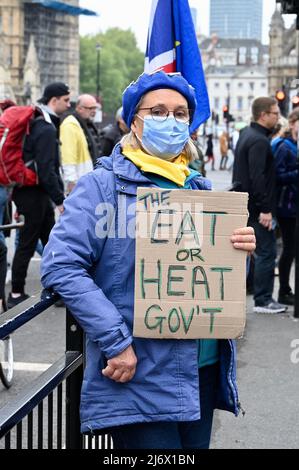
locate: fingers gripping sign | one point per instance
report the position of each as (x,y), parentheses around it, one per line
(244,239)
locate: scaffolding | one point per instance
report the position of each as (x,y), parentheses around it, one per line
(56,39)
(51,27)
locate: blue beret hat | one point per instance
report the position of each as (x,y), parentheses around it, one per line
(155,81)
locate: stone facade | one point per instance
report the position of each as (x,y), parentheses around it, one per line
(283,56)
(236,73)
(38,46)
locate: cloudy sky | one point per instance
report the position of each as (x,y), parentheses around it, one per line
(134,14)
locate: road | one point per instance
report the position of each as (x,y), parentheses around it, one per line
(268,379)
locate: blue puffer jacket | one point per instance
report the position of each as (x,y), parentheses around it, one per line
(95,278)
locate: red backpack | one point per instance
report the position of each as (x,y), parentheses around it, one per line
(14,126)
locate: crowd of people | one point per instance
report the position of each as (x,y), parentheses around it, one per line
(63,146)
(154,402)
(265,165)
(267,168)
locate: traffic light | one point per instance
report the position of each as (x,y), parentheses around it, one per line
(227,117)
(282,101)
(295,101)
(225,112)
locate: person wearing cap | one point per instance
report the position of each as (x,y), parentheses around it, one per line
(112,134)
(78,147)
(148,393)
(41,152)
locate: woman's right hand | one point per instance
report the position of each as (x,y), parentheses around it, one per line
(121,368)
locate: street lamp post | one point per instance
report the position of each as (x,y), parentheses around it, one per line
(228,107)
(98,89)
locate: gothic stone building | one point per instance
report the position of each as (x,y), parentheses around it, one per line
(38,44)
(283,56)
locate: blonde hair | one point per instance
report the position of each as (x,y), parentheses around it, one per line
(130,140)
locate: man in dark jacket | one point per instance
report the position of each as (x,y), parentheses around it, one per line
(41,152)
(112,134)
(254,172)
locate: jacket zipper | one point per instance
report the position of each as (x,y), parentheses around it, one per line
(230,382)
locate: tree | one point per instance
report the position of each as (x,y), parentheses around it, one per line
(120,63)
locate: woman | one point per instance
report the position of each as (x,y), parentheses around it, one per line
(198,162)
(285,151)
(223,142)
(210,152)
(144,391)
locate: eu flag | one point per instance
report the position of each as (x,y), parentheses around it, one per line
(172,47)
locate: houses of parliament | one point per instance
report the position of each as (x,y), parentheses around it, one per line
(39,44)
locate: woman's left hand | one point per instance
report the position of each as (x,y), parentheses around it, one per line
(244,239)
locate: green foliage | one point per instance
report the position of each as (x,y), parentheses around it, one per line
(120,62)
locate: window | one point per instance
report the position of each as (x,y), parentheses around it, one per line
(263,85)
(216,103)
(242,55)
(240,103)
(240,85)
(216,84)
(251,85)
(11,21)
(254,55)
(10,57)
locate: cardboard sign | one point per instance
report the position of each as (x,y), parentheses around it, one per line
(190,282)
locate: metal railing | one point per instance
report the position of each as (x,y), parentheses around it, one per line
(45,415)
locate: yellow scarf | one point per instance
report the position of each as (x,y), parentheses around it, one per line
(176,171)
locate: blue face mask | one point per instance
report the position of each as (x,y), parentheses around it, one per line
(164,139)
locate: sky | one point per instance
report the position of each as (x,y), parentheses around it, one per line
(134,14)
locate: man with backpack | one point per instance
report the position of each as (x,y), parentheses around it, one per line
(35,202)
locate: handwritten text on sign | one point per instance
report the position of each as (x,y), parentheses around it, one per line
(189,280)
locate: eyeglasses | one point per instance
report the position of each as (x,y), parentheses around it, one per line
(160,113)
(90,108)
(272,112)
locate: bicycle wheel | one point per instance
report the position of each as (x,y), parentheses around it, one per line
(6,361)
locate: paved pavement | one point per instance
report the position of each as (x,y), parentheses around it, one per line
(268,379)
